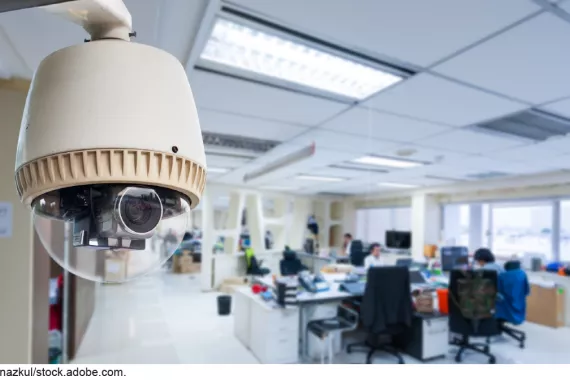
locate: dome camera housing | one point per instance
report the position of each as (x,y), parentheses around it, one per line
(110,144)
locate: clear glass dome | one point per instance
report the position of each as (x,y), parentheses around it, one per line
(111,233)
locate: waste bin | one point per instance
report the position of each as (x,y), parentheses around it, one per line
(224,305)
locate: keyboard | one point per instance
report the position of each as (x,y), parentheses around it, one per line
(354,288)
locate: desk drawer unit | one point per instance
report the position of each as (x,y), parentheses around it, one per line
(274,334)
(428,338)
(242,311)
(435,337)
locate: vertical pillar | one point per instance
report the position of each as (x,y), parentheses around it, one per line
(426,223)
(476,232)
(281,222)
(295,238)
(555,230)
(452,224)
(208,241)
(254,207)
(235,212)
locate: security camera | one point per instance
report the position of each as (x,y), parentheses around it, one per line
(110,142)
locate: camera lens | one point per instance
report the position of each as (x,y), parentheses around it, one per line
(140,210)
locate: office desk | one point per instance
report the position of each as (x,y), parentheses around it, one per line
(271,333)
(314,306)
(314,262)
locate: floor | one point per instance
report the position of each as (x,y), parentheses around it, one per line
(167,319)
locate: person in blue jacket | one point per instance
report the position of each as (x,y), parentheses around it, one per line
(513,287)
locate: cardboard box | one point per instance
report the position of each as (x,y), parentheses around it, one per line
(184,263)
(235,281)
(545,306)
(424,303)
(116,266)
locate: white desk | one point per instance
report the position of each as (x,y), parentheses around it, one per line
(314,306)
(270,333)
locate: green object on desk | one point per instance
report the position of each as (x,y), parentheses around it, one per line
(560,290)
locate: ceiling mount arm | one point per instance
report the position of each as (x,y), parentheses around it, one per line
(102,19)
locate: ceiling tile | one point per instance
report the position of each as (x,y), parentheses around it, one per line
(36,33)
(322,157)
(539,152)
(342,142)
(483,164)
(399,29)
(439,100)
(529,62)
(421,153)
(219,122)
(469,142)
(561,107)
(231,95)
(380,125)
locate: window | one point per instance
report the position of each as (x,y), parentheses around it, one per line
(522,228)
(372,224)
(565,230)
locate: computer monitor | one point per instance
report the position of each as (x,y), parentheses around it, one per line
(404,263)
(452,257)
(398,239)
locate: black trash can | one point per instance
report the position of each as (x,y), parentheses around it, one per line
(224,305)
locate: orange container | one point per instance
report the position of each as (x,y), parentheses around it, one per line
(443,300)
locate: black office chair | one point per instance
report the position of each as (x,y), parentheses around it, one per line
(385,311)
(254,267)
(290,265)
(357,253)
(472,297)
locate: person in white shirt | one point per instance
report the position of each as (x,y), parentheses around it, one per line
(347,243)
(374,259)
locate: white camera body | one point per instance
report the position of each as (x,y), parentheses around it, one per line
(110,112)
(110,143)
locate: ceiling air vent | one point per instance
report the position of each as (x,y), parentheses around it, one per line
(531,125)
(238,143)
(487,175)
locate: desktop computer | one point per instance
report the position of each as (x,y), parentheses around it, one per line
(453,257)
(398,239)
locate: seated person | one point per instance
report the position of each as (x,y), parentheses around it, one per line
(485,260)
(513,288)
(373,259)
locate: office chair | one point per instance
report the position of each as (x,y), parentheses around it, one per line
(357,258)
(472,296)
(511,305)
(290,265)
(357,253)
(253,267)
(385,311)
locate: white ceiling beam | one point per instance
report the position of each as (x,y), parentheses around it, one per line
(212,9)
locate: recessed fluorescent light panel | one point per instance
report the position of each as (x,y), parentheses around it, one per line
(318,178)
(253,50)
(397,185)
(216,170)
(387,162)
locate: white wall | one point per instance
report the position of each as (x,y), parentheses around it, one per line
(16,259)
